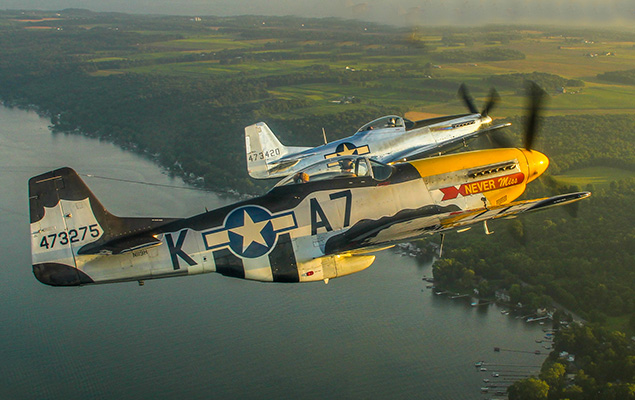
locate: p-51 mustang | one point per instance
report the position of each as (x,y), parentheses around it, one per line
(317,225)
(387,139)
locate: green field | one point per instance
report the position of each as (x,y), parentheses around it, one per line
(599,177)
(400,80)
(202,43)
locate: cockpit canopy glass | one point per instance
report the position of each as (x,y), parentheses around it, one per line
(339,168)
(389,121)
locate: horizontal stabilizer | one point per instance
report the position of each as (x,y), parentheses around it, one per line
(281,165)
(121,245)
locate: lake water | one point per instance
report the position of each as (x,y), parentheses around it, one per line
(376,334)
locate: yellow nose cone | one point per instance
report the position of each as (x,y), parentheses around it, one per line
(537,163)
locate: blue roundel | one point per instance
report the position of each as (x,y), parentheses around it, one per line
(250,231)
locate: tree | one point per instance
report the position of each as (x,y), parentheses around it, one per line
(517,231)
(528,389)
(554,377)
(515,293)
(573,392)
(623,391)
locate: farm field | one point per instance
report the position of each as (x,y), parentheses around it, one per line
(389,67)
(599,177)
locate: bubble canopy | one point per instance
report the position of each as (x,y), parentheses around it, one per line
(340,168)
(387,122)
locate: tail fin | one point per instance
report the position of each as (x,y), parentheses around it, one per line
(262,148)
(67,220)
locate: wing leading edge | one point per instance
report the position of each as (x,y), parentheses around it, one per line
(415,224)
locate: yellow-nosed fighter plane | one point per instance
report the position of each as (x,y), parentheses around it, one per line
(318,224)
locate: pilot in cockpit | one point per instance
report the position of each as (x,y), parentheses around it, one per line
(347,166)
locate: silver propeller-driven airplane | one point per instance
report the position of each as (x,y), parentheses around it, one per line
(387,139)
(320,227)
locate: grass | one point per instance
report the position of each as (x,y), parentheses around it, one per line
(317,92)
(102,59)
(321,109)
(600,177)
(203,43)
(104,73)
(595,98)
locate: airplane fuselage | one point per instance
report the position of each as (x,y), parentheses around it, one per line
(300,232)
(382,143)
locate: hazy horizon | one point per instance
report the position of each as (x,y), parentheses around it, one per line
(396,12)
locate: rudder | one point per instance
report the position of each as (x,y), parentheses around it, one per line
(64,215)
(262,147)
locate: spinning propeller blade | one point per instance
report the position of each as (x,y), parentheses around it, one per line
(536,97)
(535,101)
(493,99)
(495,138)
(467,99)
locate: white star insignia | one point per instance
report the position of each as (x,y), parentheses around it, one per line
(250,231)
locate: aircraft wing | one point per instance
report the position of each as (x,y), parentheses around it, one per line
(418,152)
(415,224)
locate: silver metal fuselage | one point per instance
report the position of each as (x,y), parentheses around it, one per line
(382,143)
